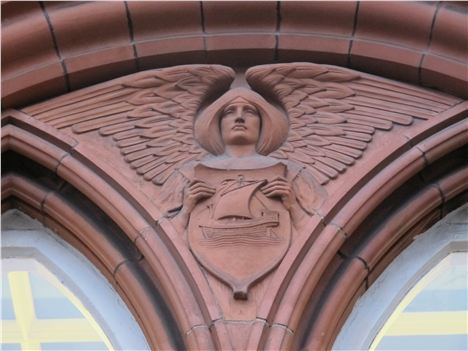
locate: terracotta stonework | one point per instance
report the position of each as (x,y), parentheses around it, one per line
(245,204)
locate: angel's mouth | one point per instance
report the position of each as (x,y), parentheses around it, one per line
(239,127)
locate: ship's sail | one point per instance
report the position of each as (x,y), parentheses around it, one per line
(236,202)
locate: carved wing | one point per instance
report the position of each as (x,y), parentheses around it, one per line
(334,112)
(149,115)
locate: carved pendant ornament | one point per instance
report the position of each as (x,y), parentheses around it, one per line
(239,175)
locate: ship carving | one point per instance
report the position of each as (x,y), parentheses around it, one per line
(239,234)
(232,221)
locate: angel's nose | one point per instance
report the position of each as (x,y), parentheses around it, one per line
(240,120)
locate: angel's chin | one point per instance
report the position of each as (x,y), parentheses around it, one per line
(240,139)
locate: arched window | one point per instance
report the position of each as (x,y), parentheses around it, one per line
(54,299)
(420,301)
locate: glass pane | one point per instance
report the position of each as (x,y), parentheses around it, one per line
(49,301)
(40,313)
(78,346)
(434,313)
(6,312)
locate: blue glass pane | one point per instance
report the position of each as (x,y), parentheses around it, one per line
(454,278)
(75,346)
(49,302)
(424,342)
(6,312)
(434,311)
(56,308)
(10,347)
(439,300)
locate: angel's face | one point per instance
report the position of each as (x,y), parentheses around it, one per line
(240,123)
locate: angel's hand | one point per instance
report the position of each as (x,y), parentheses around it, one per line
(196,191)
(281,188)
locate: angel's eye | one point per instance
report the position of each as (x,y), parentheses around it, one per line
(228,111)
(251,111)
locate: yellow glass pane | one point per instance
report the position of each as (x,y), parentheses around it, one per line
(434,313)
(42,313)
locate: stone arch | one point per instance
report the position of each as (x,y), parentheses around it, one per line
(314,282)
(360,237)
(51,179)
(34,258)
(407,273)
(71,47)
(386,228)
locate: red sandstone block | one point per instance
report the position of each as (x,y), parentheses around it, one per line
(13,11)
(26,39)
(164,18)
(349,286)
(405,23)
(402,243)
(318,17)
(449,35)
(199,338)
(279,335)
(258,328)
(240,41)
(442,143)
(170,52)
(169,46)
(24,191)
(398,226)
(95,25)
(454,184)
(159,61)
(100,65)
(108,253)
(240,49)
(31,78)
(33,86)
(240,58)
(384,182)
(437,71)
(239,16)
(314,302)
(97,58)
(390,61)
(313,49)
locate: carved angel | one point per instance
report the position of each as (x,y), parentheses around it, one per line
(242,172)
(330,115)
(240,130)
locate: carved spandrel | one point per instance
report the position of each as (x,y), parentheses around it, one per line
(165,132)
(333,113)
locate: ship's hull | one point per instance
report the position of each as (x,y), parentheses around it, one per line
(259,231)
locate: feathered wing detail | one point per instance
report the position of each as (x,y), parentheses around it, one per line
(150,115)
(334,112)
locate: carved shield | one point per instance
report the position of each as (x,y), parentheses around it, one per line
(239,234)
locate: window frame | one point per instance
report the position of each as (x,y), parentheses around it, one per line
(23,237)
(373,309)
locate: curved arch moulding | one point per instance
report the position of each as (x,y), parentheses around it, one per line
(86,43)
(55,179)
(357,242)
(363,230)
